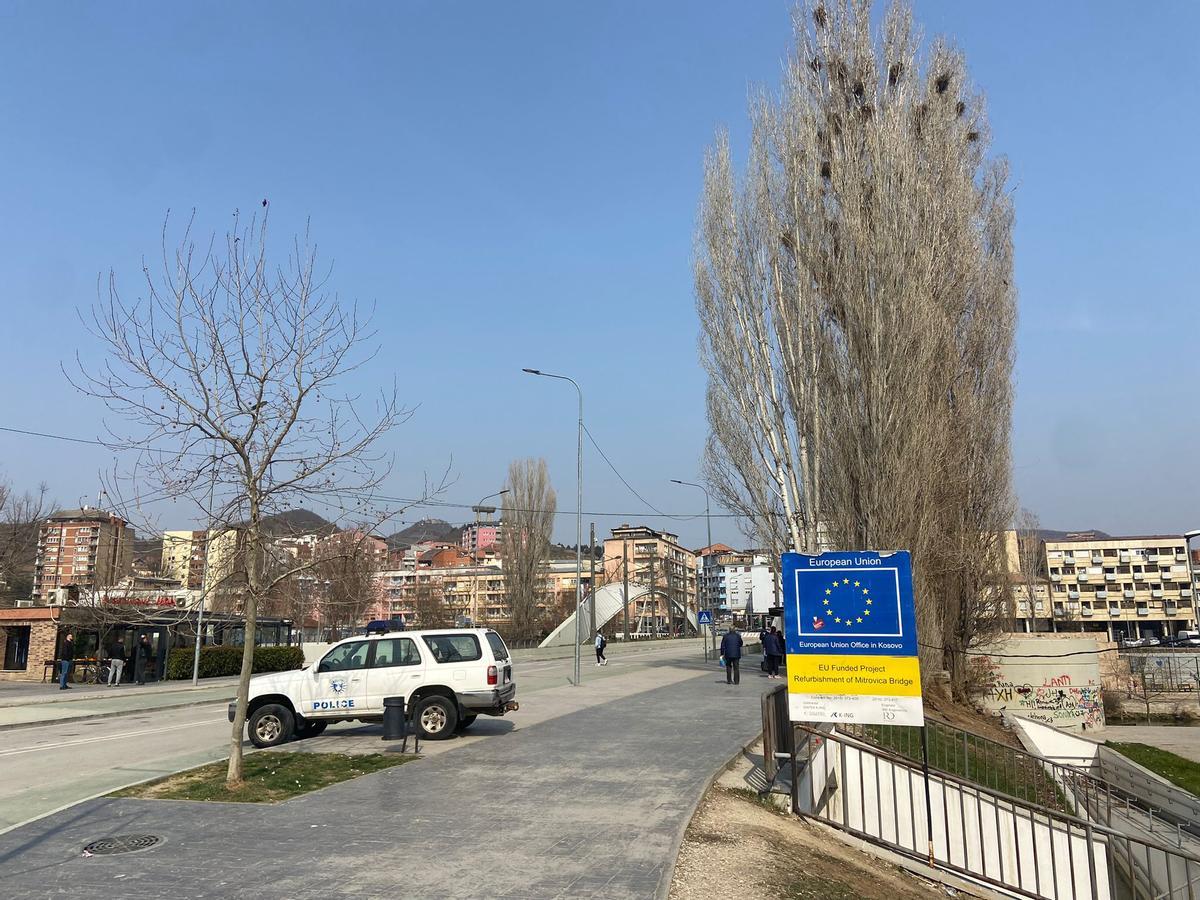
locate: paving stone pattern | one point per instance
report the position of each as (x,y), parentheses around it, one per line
(589,804)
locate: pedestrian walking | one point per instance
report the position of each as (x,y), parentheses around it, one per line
(66,659)
(731,652)
(116,662)
(601,643)
(141,656)
(773,647)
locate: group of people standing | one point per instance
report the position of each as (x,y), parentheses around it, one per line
(731,653)
(117,657)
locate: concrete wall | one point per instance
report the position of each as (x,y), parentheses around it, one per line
(1055,681)
(972,830)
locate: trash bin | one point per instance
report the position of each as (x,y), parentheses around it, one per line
(394,721)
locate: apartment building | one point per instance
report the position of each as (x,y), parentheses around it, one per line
(654,558)
(183,555)
(81,549)
(743,583)
(1127,586)
(480,536)
(469,590)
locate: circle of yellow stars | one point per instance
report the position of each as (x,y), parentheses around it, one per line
(844,586)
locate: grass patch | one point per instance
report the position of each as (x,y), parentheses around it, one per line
(1179,771)
(269,777)
(763,800)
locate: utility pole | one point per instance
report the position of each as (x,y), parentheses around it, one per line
(672,612)
(592,577)
(654,600)
(625,583)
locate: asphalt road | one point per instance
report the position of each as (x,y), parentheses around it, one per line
(49,767)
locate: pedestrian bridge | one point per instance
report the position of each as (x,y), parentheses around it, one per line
(610,604)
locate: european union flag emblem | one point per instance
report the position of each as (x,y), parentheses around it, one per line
(849,603)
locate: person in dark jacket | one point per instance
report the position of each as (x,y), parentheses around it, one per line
(66,659)
(141,655)
(116,662)
(731,652)
(773,647)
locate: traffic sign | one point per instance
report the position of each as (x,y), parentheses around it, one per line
(851,636)
(704,617)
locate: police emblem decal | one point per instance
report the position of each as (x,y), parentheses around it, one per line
(338,685)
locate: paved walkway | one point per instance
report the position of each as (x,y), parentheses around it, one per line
(1182,740)
(589,803)
(32,703)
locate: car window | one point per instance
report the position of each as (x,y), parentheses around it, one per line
(497,644)
(451,648)
(346,656)
(395,652)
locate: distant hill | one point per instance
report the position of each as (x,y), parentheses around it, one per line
(1048,534)
(297,521)
(147,552)
(425,530)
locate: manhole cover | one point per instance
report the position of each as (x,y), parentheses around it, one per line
(122,843)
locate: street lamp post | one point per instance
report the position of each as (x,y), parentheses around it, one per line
(708,528)
(578,510)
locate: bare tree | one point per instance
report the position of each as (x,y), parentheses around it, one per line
(21,515)
(854,292)
(345,580)
(429,604)
(227,374)
(528,517)
(1030,560)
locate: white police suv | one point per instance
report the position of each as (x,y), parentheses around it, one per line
(446,677)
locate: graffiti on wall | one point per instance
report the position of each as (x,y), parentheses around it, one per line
(1062,699)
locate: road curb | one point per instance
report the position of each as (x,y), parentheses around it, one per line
(106,715)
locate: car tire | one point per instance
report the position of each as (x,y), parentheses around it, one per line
(466,722)
(311,729)
(271,725)
(436,718)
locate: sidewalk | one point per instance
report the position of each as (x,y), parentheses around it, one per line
(592,803)
(98,702)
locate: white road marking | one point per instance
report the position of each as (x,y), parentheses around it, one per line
(51,745)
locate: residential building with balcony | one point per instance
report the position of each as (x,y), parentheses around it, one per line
(81,549)
(655,558)
(1127,587)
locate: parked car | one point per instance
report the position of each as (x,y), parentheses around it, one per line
(447,678)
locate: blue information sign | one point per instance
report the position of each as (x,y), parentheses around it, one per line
(704,617)
(851,634)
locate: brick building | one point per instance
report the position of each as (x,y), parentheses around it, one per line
(81,549)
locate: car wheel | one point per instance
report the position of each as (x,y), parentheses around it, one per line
(311,729)
(271,725)
(436,718)
(466,722)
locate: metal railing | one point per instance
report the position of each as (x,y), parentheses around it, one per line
(1097,791)
(882,796)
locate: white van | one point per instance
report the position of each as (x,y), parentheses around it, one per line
(446,677)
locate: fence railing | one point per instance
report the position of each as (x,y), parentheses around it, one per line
(1099,793)
(884,797)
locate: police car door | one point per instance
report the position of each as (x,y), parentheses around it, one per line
(339,685)
(396,671)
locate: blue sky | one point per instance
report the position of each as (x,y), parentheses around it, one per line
(516,184)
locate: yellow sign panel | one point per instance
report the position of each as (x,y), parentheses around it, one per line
(877,676)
